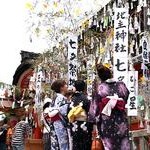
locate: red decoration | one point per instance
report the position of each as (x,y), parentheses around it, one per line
(25,78)
(119,106)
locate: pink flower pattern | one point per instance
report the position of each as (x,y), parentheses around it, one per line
(125,145)
(107,143)
(103,89)
(122,128)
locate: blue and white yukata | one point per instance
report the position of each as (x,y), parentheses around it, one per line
(59,132)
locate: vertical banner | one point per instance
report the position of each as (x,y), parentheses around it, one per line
(145,57)
(72,59)
(38,86)
(133,89)
(90,75)
(121,44)
(145,51)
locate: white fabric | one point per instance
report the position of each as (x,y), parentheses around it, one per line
(2,116)
(53,112)
(110,105)
(46,110)
(46,128)
(47,100)
(110,80)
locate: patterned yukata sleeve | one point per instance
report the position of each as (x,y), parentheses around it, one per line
(61,105)
(123,91)
(58,101)
(103,90)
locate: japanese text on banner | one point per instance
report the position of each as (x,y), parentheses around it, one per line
(72,59)
(133,89)
(145,51)
(145,57)
(38,87)
(121,44)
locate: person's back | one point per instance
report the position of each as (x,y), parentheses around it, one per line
(19,135)
(81,129)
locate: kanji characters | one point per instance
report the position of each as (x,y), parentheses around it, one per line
(121,44)
(121,35)
(121,15)
(72,59)
(120,48)
(119,65)
(132,102)
(72,69)
(120,25)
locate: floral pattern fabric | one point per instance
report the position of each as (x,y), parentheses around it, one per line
(82,135)
(59,133)
(113,129)
(81,131)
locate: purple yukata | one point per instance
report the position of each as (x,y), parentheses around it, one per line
(114,129)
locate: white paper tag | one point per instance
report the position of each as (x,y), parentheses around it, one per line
(21,104)
(13,105)
(139,8)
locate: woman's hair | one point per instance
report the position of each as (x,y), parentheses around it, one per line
(69,93)
(104,73)
(46,105)
(80,85)
(57,85)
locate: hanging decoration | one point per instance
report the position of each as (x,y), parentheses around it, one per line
(133,89)
(53,20)
(72,59)
(90,75)
(38,90)
(121,44)
(145,57)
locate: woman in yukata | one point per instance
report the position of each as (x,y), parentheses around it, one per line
(81,129)
(113,124)
(57,113)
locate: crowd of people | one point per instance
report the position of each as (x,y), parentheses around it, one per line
(68,120)
(69,117)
